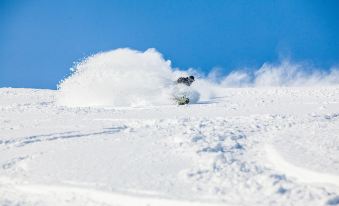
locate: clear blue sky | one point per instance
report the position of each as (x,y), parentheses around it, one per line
(40,40)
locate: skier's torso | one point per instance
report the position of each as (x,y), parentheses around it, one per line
(186,80)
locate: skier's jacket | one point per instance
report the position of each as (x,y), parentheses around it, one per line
(186,80)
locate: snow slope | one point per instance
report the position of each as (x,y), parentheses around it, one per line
(246,146)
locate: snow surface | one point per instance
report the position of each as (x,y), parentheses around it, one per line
(240,146)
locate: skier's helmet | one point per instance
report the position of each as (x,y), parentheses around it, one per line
(191,77)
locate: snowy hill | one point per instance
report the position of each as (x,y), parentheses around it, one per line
(248,146)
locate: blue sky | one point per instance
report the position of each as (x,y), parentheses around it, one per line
(40,40)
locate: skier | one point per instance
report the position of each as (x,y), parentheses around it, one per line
(182,100)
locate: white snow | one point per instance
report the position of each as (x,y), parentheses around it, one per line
(302,174)
(121,77)
(239,146)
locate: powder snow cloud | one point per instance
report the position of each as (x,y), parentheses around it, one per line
(126,77)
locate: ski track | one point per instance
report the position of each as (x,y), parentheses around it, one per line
(269,146)
(47,193)
(304,175)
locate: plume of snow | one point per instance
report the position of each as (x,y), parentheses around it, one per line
(126,77)
(121,77)
(288,74)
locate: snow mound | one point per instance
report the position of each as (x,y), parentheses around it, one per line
(121,77)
